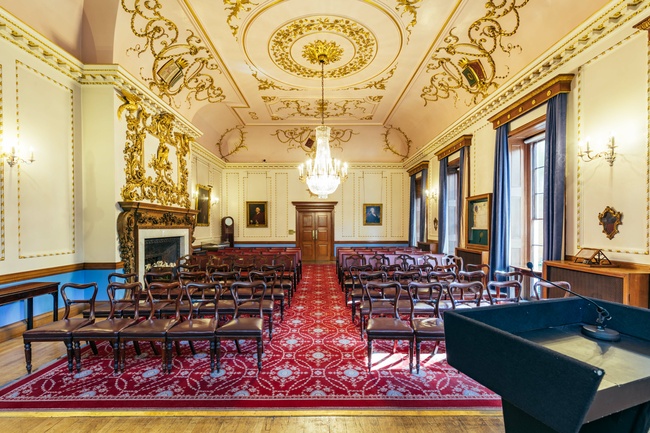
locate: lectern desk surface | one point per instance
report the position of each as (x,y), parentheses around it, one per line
(626,365)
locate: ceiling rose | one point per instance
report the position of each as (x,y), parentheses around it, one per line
(303,33)
(324,52)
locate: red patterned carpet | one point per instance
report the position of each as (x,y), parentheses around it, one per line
(315,360)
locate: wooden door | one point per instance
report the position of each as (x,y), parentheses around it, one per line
(315,230)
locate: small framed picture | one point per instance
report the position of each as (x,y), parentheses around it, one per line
(202,204)
(256,214)
(372,214)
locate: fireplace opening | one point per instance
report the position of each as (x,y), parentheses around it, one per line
(161,252)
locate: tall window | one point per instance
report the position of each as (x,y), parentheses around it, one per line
(453,207)
(527,150)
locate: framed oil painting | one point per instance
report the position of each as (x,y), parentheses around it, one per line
(372,214)
(202,204)
(478,221)
(256,214)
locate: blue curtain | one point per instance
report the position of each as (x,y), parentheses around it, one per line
(554,177)
(442,205)
(412,235)
(500,223)
(423,206)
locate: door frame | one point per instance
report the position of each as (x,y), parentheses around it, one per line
(315,206)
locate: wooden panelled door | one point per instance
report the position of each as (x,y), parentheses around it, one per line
(315,230)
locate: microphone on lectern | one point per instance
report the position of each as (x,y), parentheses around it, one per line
(598,331)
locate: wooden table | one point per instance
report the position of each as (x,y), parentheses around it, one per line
(29,291)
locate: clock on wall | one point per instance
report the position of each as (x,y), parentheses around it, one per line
(228,230)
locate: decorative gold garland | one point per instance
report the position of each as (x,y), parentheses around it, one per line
(409,6)
(162,188)
(378,84)
(387,145)
(235,7)
(458,65)
(352,108)
(240,145)
(177,67)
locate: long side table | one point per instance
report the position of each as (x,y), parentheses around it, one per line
(29,291)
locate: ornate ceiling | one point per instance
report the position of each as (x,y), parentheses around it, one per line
(246,73)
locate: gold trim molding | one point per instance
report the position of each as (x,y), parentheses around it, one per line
(424,165)
(455,146)
(138,185)
(296,138)
(555,86)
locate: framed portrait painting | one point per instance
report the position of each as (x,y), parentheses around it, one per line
(478,221)
(256,214)
(202,204)
(372,214)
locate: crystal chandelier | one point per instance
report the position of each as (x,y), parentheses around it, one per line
(323,174)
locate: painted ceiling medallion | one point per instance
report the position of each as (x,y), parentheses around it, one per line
(325,51)
(283,42)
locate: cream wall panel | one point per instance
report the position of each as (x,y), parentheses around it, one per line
(347,212)
(373,187)
(201,176)
(231,203)
(282,211)
(50,184)
(258,185)
(396,208)
(610,101)
(2,172)
(103,169)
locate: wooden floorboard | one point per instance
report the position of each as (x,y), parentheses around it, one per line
(12,367)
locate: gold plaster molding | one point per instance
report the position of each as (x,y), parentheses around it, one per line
(238,145)
(296,138)
(391,148)
(2,173)
(234,8)
(594,31)
(455,146)
(357,108)
(178,67)
(283,39)
(161,188)
(409,7)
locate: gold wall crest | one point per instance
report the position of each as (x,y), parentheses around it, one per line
(610,220)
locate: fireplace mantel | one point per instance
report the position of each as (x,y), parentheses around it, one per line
(136,216)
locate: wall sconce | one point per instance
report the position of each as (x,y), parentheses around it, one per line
(609,154)
(431,194)
(16,156)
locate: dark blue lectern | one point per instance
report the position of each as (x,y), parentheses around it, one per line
(550,376)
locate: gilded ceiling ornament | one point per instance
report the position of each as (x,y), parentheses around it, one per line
(304,138)
(265,84)
(358,108)
(378,84)
(409,7)
(282,41)
(165,187)
(406,142)
(325,52)
(178,66)
(234,7)
(235,142)
(470,65)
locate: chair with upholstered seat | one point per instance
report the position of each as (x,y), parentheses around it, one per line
(427,329)
(269,297)
(187,263)
(291,271)
(354,293)
(61,330)
(385,323)
(404,261)
(467,294)
(283,285)
(110,328)
(154,328)
(376,261)
(251,294)
(201,322)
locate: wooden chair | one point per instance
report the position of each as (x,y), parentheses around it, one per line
(110,328)
(385,324)
(507,288)
(151,329)
(541,285)
(187,263)
(61,330)
(466,295)
(201,322)
(376,261)
(404,261)
(290,268)
(103,308)
(244,328)
(283,284)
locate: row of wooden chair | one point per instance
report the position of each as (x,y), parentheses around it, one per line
(188,309)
